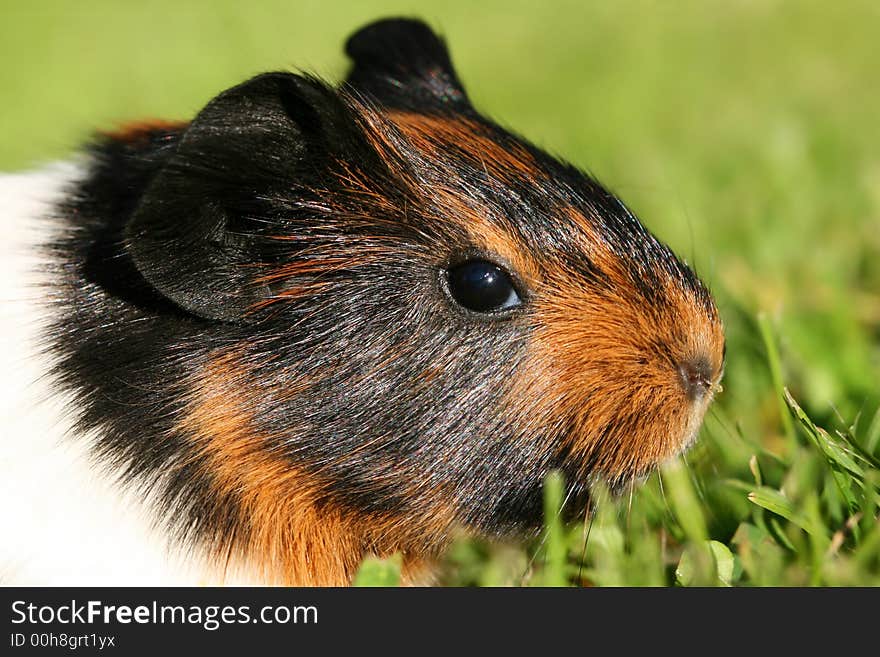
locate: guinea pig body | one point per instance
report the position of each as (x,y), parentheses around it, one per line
(314,324)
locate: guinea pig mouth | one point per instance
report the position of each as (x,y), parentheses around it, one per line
(700,391)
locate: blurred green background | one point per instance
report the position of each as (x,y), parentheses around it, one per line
(745,134)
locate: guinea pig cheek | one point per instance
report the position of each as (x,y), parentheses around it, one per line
(615,381)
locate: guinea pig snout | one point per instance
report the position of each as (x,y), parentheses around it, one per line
(697,377)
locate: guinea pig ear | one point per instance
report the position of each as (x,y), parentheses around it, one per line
(198,233)
(401,63)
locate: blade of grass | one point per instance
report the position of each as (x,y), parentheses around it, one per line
(555,545)
(775,364)
(684,501)
(777,503)
(834,453)
(873,434)
(840,453)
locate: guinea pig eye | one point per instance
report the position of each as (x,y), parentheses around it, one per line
(482,286)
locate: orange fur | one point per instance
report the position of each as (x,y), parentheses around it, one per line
(435,134)
(608,360)
(296,535)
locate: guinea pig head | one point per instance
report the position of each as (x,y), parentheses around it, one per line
(415,314)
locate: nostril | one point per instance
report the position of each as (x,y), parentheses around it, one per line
(696,376)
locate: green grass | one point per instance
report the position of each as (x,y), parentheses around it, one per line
(744,134)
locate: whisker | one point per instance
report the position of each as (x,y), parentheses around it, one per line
(589,517)
(632,485)
(663,495)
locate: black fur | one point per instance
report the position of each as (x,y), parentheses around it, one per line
(171,239)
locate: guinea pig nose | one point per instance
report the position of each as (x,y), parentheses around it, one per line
(696,376)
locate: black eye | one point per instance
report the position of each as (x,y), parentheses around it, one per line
(482,286)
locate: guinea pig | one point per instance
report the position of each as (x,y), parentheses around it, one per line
(317,323)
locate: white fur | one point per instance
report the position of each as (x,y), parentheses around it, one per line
(60,522)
